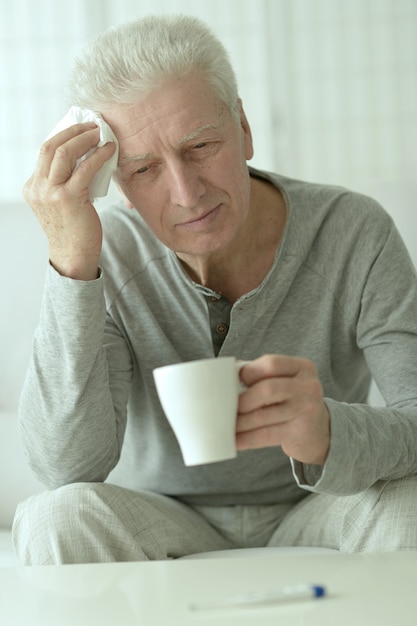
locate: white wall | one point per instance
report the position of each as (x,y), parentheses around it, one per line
(330,86)
(345,89)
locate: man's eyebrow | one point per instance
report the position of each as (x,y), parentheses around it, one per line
(137,157)
(197,132)
(186,139)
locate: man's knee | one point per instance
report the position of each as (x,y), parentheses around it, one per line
(383,518)
(44,522)
(56,506)
(100,522)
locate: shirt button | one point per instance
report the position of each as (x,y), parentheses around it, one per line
(221,329)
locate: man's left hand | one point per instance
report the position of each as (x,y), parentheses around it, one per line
(284,406)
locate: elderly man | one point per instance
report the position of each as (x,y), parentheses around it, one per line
(209,257)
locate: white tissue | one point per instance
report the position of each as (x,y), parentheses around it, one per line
(101,181)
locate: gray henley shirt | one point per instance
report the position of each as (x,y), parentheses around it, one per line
(342,292)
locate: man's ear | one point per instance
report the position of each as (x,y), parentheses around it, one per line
(246,130)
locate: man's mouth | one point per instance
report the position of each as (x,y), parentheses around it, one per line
(202,221)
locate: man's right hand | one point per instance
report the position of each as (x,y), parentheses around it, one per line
(58,195)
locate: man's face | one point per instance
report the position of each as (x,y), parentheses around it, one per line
(182,165)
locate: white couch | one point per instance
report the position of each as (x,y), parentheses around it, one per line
(23,258)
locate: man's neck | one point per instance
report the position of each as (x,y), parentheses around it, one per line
(244,265)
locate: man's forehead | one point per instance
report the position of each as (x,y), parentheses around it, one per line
(193,135)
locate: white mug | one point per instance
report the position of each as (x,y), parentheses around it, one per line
(200,401)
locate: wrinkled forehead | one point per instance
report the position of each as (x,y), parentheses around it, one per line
(179,109)
(201,133)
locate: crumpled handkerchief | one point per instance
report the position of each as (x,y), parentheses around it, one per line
(101,181)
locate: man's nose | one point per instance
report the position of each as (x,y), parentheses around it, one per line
(185,184)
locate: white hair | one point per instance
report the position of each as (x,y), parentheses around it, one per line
(130,60)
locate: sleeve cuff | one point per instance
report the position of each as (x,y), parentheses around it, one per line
(307,476)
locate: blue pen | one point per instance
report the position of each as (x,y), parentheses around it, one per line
(292,593)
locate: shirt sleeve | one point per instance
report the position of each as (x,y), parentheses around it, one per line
(73,404)
(377,443)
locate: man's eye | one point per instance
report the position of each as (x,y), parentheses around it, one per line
(200,145)
(142,170)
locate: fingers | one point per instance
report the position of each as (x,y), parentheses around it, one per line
(49,147)
(283,406)
(272,365)
(265,391)
(264,437)
(88,168)
(67,154)
(56,175)
(274,379)
(58,193)
(276,401)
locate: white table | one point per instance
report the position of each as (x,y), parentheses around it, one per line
(364,590)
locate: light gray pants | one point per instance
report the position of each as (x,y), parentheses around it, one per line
(98,522)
